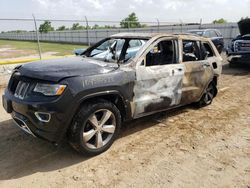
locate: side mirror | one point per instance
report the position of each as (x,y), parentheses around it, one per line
(78,52)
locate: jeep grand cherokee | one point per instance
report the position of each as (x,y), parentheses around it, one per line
(123,77)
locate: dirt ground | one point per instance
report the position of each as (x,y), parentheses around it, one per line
(187,147)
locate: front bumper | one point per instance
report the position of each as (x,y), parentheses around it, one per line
(243,57)
(24,115)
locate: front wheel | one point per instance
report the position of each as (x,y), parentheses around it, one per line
(207,97)
(95,127)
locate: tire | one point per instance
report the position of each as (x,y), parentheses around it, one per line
(95,127)
(208,95)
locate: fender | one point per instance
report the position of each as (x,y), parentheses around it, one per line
(126,103)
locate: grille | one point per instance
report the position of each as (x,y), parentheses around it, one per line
(242,46)
(21,89)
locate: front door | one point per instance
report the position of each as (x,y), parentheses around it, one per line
(159,79)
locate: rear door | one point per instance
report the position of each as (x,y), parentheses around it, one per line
(158,84)
(198,71)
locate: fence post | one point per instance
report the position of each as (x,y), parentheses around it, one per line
(158,25)
(37,37)
(87,27)
(200,23)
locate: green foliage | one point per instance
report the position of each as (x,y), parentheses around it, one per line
(46,27)
(77,26)
(15,31)
(242,18)
(62,28)
(130,22)
(96,26)
(220,21)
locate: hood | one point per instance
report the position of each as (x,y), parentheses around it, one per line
(57,69)
(244,26)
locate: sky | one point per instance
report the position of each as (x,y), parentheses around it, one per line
(147,10)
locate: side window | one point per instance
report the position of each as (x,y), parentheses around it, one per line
(162,54)
(191,51)
(207,34)
(207,50)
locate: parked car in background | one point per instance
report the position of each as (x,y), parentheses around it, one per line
(213,34)
(239,49)
(126,76)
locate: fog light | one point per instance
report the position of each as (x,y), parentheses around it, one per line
(43,116)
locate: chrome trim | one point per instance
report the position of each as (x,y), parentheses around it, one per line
(24,127)
(40,119)
(21,89)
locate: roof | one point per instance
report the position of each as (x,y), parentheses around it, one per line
(135,35)
(151,35)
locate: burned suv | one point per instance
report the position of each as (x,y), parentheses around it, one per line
(123,77)
(239,49)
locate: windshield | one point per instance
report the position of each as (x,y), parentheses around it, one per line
(115,49)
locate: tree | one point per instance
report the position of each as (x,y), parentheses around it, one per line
(62,28)
(130,22)
(77,26)
(96,26)
(46,27)
(242,18)
(220,21)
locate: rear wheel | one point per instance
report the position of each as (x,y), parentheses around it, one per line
(207,97)
(95,127)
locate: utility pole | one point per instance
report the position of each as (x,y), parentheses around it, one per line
(37,37)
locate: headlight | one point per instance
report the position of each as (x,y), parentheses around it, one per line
(49,89)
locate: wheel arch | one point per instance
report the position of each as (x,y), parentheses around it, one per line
(214,81)
(114,97)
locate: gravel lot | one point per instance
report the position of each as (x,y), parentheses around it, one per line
(187,147)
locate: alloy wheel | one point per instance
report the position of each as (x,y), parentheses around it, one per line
(100,128)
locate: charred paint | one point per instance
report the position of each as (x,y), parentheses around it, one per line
(157,87)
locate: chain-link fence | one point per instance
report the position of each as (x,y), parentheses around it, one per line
(90,31)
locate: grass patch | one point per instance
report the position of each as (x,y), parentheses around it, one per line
(31,47)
